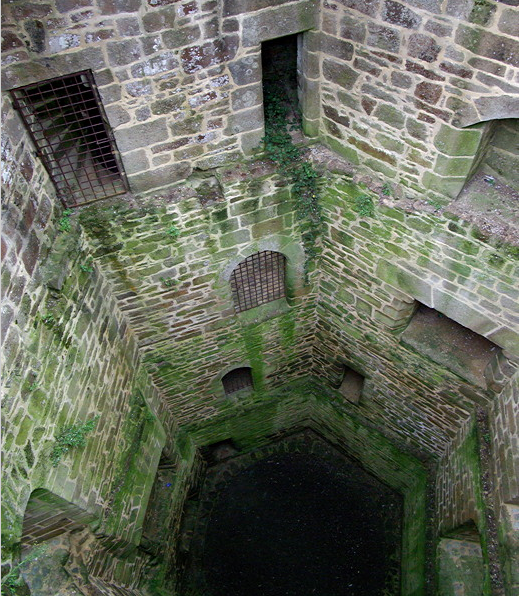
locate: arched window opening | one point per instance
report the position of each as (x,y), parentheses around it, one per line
(258,279)
(237,379)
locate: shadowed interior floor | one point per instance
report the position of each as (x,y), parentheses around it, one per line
(297,525)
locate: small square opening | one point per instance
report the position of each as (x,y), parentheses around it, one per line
(352,385)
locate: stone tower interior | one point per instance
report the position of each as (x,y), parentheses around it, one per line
(246,237)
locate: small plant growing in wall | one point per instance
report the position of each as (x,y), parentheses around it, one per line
(167,282)
(64,224)
(173,231)
(70,438)
(386,189)
(48,319)
(13,580)
(364,206)
(86,266)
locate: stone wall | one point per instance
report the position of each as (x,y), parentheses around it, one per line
(372,270)
(180,82)
(69,358)
(169,260)
(402,80)
(123,309)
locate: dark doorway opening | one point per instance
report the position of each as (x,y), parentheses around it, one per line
(294,524)
(279,60)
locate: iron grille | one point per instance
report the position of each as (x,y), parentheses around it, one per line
(239,378)
(67,124)
(258,279)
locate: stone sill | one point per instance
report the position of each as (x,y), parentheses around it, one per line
(263,312)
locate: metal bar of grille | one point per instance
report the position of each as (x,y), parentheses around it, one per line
(66,121)
(239,378)
(258,279)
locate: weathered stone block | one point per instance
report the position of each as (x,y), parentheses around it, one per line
(390,115)
(423,47)
(186,126)
(234,7)
(136,161)
(250,141)
(340,74)
(448,186)
(347,151)
(160,177)
(408,283)
(166,106)
(429,92)
(416,129)
(384,38)
(491,108)
(369,7)
(389,143)
(489,45)
(159,19)
(509,22)
(68,5)
(246,70)
(334,115)
(419,69)
(181,36)
(399,79)
(398,14)
(310,100)
(110,94)
(118,6)
(124,52)
(245,121)
(278,22)
(141,135)
(336,47)
(453,166)
(439,29)
(352,29)
(246,97)
(129,26)
(10,41)
(234,238)
(457,142)
(196,58)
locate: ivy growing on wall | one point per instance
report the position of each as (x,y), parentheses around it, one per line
(71,437)
(280,120)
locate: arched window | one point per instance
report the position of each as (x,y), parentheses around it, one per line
(258,279)
(237,379)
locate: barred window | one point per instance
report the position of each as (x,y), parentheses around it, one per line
(237,379)
(66,121)
(258,279)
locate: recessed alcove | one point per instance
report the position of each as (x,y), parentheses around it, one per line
(352,385)
(294,518)
(448,343)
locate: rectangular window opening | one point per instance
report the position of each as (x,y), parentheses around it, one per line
(352,385)
(281,92)
(66,121)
